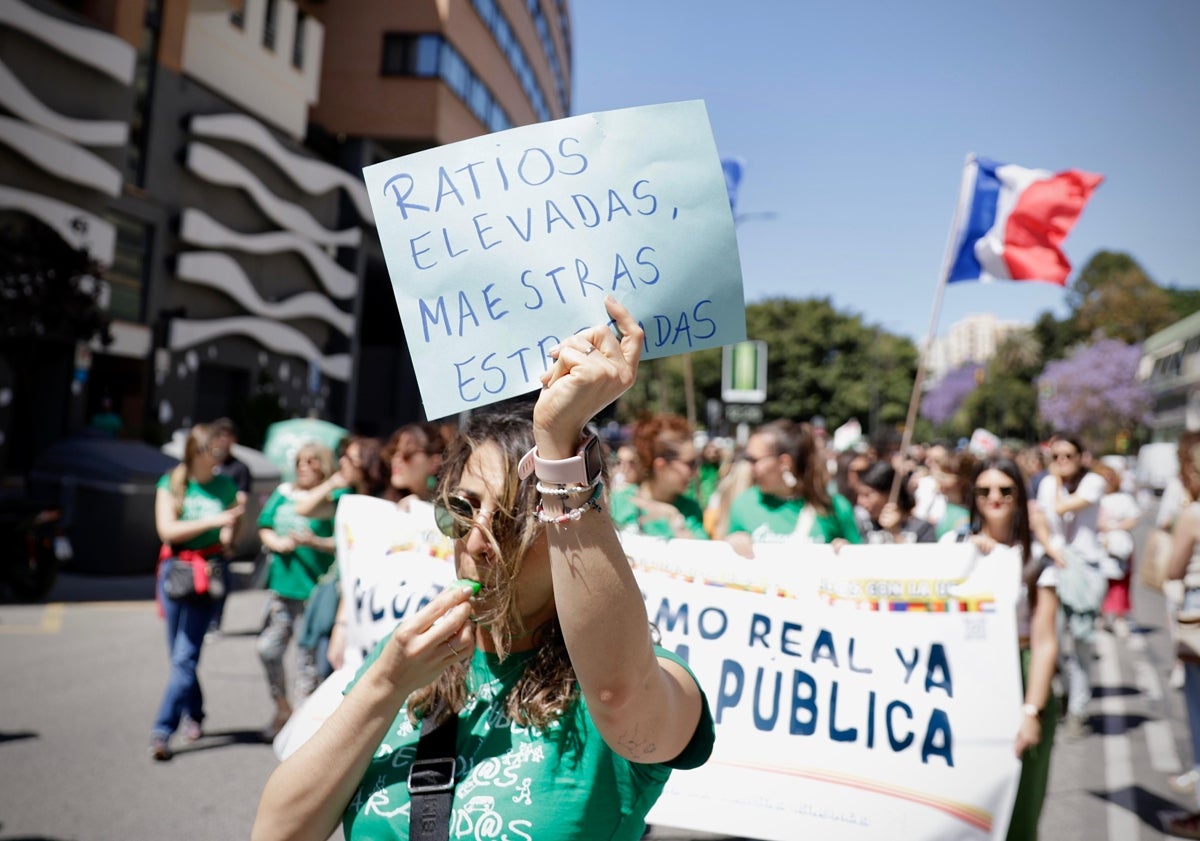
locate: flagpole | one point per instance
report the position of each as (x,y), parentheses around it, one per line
(914,401)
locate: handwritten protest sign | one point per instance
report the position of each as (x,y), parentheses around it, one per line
(871,694)
(501,246)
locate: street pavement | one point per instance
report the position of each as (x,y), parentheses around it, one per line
(83,674)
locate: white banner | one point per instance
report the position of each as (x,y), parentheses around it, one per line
(873,693)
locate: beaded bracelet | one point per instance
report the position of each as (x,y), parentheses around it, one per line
(565,490)
(572,514)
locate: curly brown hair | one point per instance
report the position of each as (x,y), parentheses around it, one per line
(659,436)
(547,686)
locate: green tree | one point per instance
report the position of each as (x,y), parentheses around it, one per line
(819,362)
(1056,338)
(1184,302)
(1113,295)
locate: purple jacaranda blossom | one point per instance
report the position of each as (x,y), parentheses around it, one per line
(940,403)
(1094,390)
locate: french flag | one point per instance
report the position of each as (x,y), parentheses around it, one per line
(1011,221)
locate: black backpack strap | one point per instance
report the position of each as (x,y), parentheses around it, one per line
(431,780)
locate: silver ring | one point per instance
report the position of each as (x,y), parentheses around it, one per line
(590,349)
(452,649)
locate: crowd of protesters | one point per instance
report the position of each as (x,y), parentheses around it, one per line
(1062,509)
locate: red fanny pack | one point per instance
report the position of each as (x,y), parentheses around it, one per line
(198,558)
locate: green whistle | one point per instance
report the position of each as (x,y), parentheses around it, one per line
(467,582)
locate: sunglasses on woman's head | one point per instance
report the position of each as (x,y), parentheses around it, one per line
(455,517)
(984,491)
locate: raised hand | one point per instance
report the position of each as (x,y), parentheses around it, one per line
(592,369)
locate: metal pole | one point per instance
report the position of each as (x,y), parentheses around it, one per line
(915,400)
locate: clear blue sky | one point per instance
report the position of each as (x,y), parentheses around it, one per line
(854,119)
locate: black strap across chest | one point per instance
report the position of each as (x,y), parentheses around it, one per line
(431,780)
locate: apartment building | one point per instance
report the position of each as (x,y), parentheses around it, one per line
(208,155)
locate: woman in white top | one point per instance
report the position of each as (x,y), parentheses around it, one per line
(1068,500)
(1185,565)
(999,510)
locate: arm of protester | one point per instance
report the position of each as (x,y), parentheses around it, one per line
(304,798)
(1052,544)
(336,652)
(646,709)
(310,502)
(1043,659)
(278,543)
(172,530)
(741,543)
(1089,492)
(1183,542)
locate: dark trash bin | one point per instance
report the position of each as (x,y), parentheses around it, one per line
(105,488)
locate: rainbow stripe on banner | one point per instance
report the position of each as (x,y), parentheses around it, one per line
(905,595)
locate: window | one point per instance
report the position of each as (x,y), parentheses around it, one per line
(143,86)
(126,276)
(269,24)
(493,18)
(298,41)
(432,57)
(411,55)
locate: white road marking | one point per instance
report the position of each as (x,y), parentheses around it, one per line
(1121,818)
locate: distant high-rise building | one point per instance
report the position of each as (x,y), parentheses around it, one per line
(971,339)
(208,154)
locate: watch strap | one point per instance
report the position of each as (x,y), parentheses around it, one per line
(563,471)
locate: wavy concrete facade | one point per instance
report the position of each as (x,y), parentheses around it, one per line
(270,334)
(310,175)
(100,50)
(76,226)
(198,228)
(220,271)
(216,167)
(21,102)
(59,157)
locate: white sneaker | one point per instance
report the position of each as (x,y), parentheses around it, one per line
(1184,783)
(1175,681)
(1120,627)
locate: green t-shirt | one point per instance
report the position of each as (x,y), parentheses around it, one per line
(772,519)
(294,574)
(955,518)
(201,501)
(559,784)
(628,515)
(708,476)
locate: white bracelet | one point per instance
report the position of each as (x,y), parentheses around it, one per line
(565,490)
(1031,710)
(571,514)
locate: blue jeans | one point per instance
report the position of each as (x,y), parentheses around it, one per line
(186,623)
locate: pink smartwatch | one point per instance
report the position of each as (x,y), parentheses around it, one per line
(583,468)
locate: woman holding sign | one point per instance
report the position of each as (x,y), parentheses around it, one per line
(999,509)
(530,693)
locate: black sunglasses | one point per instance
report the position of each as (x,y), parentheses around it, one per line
(984,491)
(456,517)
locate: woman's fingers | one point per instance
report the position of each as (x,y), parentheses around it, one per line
(632,335)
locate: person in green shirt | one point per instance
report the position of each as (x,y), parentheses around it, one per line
(789,477)
(568,719)
(302,550)
(197,512)
(659,505)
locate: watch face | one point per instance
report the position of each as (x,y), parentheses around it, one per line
(593,458)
